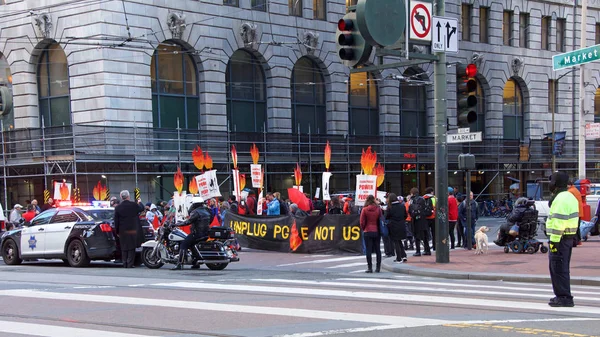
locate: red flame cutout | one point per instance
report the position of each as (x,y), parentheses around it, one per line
(254,153)
(368,160)
(64,191)
(193,187)
(99,191)
(327,156)
(295,240)
(178,180)
(234,156)
(198,158)
(298,174)
(379,171)
(242,181)
(208,162)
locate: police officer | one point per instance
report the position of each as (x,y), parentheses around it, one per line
(200,219)
(563,220)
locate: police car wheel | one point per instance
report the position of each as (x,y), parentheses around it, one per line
(10,253)
(77,255)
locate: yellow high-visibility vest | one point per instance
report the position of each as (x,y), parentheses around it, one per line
(563,218)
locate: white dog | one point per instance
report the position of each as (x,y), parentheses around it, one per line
(482,240)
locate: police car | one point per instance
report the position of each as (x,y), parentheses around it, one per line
(76,234)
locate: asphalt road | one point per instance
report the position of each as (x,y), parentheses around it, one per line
(277,294)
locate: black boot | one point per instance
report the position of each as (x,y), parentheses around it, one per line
(179,265)
(405,245)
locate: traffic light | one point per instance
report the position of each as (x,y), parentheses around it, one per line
(351,46)
(5,101)
(466,90)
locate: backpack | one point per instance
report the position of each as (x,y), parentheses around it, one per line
(416,208)
(428,207)
(241,209)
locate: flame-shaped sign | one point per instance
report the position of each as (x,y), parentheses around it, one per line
(298,174)
(368,160)
(64,191)
(379,171)
(193,187)
(327,156)
(242,181)
(99,191)
(178,180)
(198,158)
(208,163)
(295,240)
(254,153)
(234,156)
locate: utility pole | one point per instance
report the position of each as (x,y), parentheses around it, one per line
(442,252)
(583,43)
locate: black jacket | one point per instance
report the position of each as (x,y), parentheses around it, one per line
(396,216)
(200,219)
(127,224)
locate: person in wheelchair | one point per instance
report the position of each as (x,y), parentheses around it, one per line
(525,216)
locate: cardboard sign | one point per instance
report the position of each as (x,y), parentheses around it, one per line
(259,203)
(208,186)
(365,185)
(326,176)
(62,191)
(236,184)
(256,174)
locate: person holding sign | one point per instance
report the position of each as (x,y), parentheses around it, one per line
(369,224)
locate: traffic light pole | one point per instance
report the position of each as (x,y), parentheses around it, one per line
(442,252)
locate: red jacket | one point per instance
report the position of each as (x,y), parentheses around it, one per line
(452,208)
(369,218)
(29,215)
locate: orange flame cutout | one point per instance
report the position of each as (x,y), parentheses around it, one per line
(368,160)
(242,181)
(178,180)
(379,171)
(298,175)
(193,187)
(254,153)
(198,158)
(295,240)
(64,191)
(327,156)
(234,156)
(208,163)
(99,192)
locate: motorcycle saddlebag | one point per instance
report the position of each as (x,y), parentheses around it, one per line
(220,232)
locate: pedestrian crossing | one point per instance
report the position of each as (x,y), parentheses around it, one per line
(342,305)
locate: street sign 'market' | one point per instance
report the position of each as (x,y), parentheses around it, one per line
(576,57)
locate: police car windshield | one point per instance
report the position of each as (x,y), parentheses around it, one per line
(101,214)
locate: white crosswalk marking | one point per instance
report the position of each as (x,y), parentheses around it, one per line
(57,331)
(355,264)
(337,259)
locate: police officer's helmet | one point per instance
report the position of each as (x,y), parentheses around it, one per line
(196,202)
(521,202)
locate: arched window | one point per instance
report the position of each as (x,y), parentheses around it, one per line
(513,110)
(363,110)
(413,104)
(53,87)
(308,97)
(6,81)
(174,88)
(597,106)
(479,125)
(246,87)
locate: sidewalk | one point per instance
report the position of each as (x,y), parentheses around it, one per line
(499,266)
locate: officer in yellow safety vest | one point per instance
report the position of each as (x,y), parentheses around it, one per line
(563,220)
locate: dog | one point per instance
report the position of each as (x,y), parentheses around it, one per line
(481,239)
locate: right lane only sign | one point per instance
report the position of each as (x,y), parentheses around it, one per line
(445,35)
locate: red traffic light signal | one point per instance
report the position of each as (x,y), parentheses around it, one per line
(466,98)
(471,70)
(351,46)
(345,24)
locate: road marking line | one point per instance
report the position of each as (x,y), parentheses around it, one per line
(57,331)
(337,259)
(372,285)
(462,301)
(406,322)
(356,271)
(347,265)
(342,331)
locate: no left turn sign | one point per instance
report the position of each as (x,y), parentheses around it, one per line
(420,20)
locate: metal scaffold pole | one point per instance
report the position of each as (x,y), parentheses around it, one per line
(4,167)
(135,171)
(442,252)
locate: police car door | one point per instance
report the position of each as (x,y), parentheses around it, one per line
(33,237)
(58,230)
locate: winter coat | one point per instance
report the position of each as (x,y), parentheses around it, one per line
(369,219)
(420,226)
(462,212)
(452,208)
(127,224)
(273,207)
(396,216)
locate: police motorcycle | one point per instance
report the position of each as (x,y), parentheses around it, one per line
(216,250)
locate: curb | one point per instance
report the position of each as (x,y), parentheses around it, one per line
(464,275)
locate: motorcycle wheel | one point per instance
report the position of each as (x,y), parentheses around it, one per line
(216,266)
(151,262)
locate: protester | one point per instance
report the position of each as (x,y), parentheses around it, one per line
(462,214)
(320,206)
(348,205)
(16,218)
(30,213)
(430,201)
(577,195)
(396,216)
(369,224)
(128,228)
(114,202)
(273,207)
(409,242)
(419,222)
(453,217)
(563,221)
(48,205)
(335,206)
(233,205)
(296,211)
(283,205)
(153,213)
(251,203)
(226,207)
(36,208)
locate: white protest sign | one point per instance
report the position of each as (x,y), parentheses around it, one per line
(326,176)
(65,188)
(208,186)
(256,174)
(259,203)
(317,193)
(365,185)
(236,183)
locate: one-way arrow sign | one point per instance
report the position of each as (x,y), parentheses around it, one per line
(445,35)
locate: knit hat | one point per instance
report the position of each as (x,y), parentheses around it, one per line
(450,190)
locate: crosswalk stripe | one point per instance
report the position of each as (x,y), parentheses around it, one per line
(464,301)
(398,321)
(338,259)
(372,285)
(347,265)
(57,331)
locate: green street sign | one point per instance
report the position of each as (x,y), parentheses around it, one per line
(576,57)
